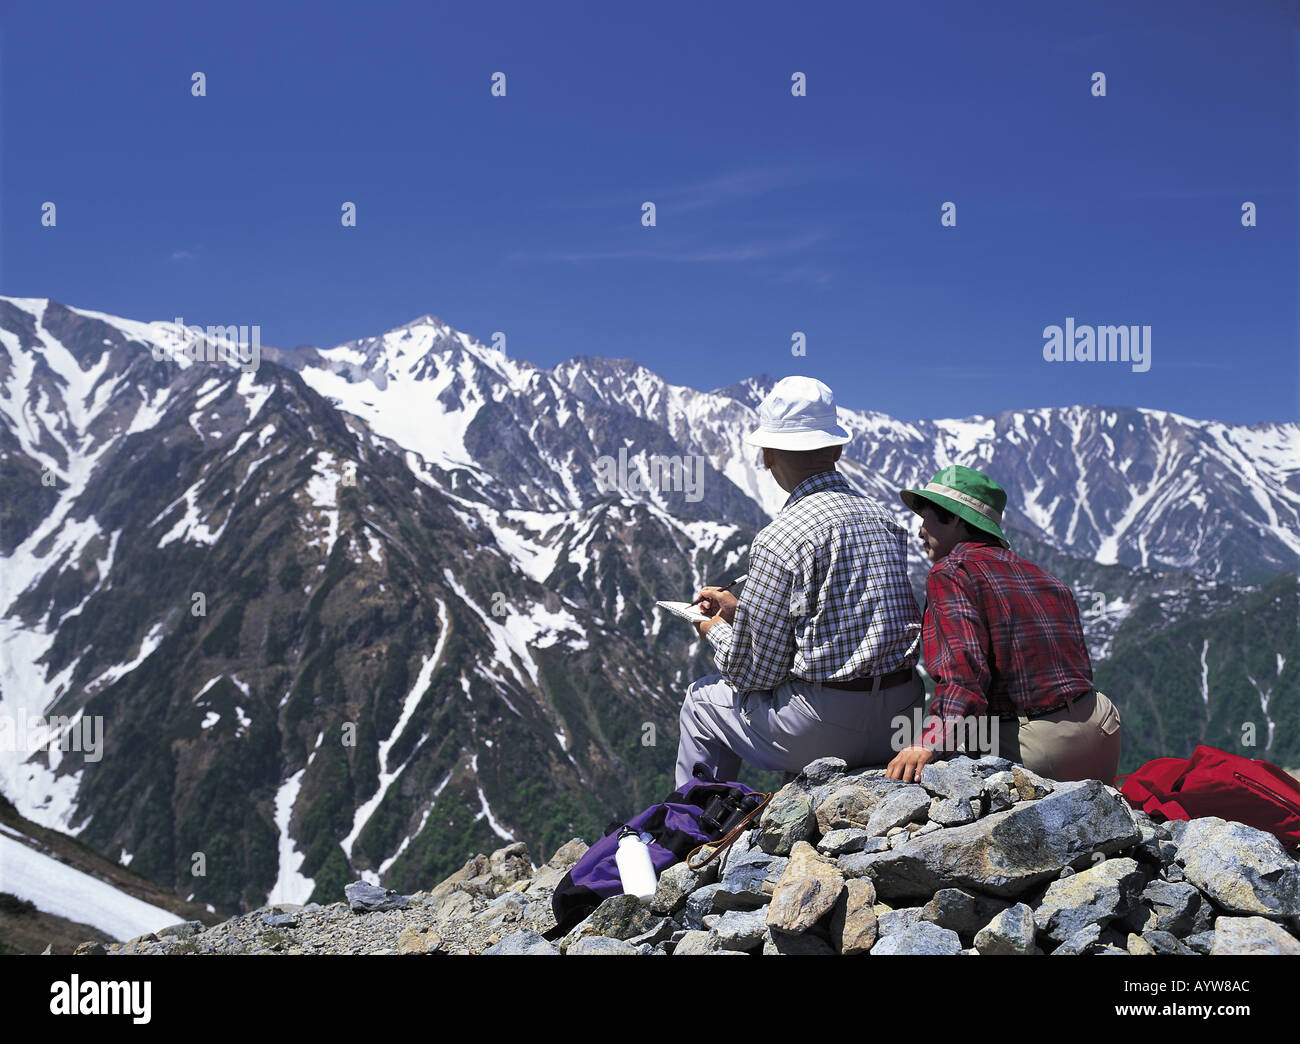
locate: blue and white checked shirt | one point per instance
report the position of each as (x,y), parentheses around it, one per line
(827,597)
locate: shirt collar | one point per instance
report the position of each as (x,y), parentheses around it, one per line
(823,480)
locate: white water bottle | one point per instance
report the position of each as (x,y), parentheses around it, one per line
(635,869)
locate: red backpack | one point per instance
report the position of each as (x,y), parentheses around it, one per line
(1215,783)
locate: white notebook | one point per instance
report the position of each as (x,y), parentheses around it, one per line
(685,610)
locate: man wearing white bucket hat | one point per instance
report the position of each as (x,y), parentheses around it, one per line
(819,655)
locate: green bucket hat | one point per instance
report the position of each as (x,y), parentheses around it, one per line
(968,494)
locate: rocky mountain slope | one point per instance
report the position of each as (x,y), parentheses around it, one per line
(368,610)
(971,860)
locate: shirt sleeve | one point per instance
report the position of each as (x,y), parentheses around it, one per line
(757,650)
(955,637)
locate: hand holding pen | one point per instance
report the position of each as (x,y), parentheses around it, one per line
(717,601)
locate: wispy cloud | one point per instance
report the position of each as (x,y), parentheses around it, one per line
(733,186)
(736,185)
(184,255)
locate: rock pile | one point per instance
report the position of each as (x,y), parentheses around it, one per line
(978,857)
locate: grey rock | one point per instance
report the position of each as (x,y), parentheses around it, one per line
(953,811)
(1153,849)
(741,849)
(1173,872)
(787,820)
(617,917)
(1094,896)
(506,908)
(897,808)
(677,883)
(1252,935)
(1176,828)
(1203,918)
(699,905)
(923,937)
(1164,942)
(1012,931)
(845,842)
(822,771)
(856,865)
(660,931)
(526,942)
(599,946)
(902,835)
(750,882)
(999,797)
(805,945)
(961,911)
(1008,853)
(184,930)
(991,764)
(1166,906)
(957,779)
(1201,942)
(1080,942)
(1244,870)
(740,929)
(694,944)
(850,804)
(368,898)
(891,922)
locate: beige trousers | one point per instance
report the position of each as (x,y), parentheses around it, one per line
(1081,741)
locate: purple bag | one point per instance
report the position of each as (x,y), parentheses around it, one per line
(676,830)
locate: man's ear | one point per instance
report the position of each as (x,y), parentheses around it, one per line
(838,451)
(767,457)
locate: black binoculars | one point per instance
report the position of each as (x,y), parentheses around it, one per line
(724,812)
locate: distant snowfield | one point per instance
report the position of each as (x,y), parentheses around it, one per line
(58,889)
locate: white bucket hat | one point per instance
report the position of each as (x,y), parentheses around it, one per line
(798,414)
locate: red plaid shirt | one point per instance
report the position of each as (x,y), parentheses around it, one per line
(1001,637)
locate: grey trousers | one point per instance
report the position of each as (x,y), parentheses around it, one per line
(787,727)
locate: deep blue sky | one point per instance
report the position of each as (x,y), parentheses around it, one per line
(821,214)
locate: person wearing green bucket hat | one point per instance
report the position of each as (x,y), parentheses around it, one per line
(1002,640)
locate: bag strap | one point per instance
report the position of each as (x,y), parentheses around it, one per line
(724,843)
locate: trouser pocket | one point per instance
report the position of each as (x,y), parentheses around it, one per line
(1110,720)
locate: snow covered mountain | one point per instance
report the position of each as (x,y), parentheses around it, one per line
(368,609)
(1118,485)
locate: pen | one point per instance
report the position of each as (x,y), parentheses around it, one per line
(727,587)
